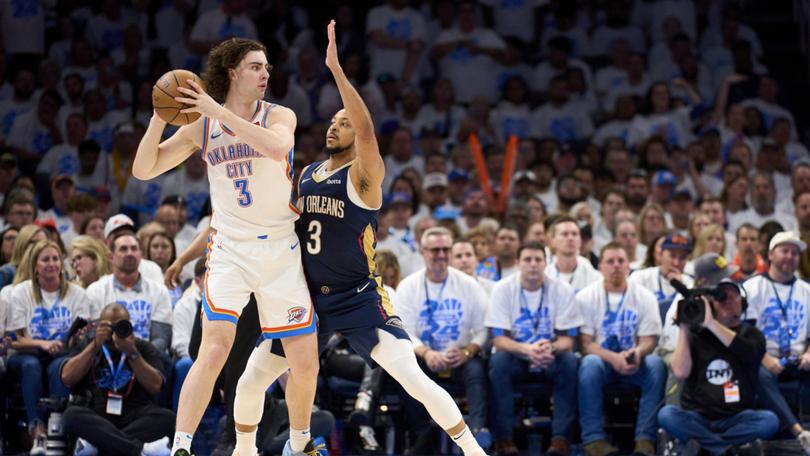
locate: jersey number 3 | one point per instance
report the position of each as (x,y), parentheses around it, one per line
(314,243)
(244,199)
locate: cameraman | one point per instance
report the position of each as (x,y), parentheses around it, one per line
(719,362)
(113,377)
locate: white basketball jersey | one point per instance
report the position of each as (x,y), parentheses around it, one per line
(250,193)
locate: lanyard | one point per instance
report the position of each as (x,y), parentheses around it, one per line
(661,289)
(619,307)
(783,306)
(538,315)
(113,372)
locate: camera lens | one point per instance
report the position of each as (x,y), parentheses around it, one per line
(122,329)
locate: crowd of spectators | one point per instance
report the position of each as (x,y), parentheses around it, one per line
(552,163)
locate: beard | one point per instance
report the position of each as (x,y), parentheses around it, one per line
(337,150)
(568,201)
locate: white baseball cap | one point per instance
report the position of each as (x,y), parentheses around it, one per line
(786,237)
(434,180)
(115,222)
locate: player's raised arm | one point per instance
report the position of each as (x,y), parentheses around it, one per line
(369,162)
(155,158)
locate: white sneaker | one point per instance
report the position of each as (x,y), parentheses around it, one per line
(84,448)
(804,440)
(156,448)
(40,446)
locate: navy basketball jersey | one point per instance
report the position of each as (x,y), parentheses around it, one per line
(337,233)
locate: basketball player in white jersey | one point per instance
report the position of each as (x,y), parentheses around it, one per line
(247,145)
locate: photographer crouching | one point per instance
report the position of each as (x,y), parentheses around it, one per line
(113,377)
(718,357)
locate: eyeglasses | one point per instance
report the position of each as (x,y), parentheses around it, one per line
(436,250)
(22,213)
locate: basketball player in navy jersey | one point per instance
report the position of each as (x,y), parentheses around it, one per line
(339,200)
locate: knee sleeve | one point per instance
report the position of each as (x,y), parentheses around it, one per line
(396,356)
(263,368)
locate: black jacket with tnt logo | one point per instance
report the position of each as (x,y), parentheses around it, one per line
(723,380)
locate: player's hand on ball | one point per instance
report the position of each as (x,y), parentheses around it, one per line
(332,61)
(199,101)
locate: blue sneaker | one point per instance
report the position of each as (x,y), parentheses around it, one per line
(315,447)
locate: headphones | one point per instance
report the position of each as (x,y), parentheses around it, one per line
(740,290)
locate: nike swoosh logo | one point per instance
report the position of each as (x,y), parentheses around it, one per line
(307,179)
(292,247)
(359,290)
(216,135)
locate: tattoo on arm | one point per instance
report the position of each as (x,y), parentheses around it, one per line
(364,185)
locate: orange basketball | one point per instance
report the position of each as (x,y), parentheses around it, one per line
(164,91)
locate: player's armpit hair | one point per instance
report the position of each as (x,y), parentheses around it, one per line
(364,185)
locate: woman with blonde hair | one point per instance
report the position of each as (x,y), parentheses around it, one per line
(41,311)
(696,225)
(388,268)
(89,259)
(711,239)
(28,235)
(651,223)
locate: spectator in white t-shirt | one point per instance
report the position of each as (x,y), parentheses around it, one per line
(41,312)
(780,135)
(515,19)
(534,319)
(20,102)
(661,117)
(463,257)
(675,250)
(616,27)
(228,21)
(468,55)
(147,301)
(561,118)
(191,184)
(567,265)
(559,60)
(512,116)
(400,156)
(36,131)
(397,36)
(120,223)
(620,332)
(62,188)
(64,158)
(767,102)
(780,304)
(800,183)
(443,311)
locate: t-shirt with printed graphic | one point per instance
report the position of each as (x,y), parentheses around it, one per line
(723,380)
(403,24)
(530,316)
(769,303)
(443,315)
(564,123)
(50,318)
(630,315)
(473,74)
(584,274)
(651,279)
(146,302)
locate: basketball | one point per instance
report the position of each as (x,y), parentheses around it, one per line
(164,91)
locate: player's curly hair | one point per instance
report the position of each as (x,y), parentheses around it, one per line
(223,58)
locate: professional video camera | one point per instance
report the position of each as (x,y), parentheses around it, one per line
(691,309)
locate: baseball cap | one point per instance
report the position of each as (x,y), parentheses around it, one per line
(174,200)
(681,192)
(524,174)
(63,178)
(47,223)
(115,222)
(676,242)
(786,237)
(101,193)
(446,213)
(434,180)
(8,159)
(458,174)
(398,198)
(664,178)
(713,268)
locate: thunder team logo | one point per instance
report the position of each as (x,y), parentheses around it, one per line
(296,314)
